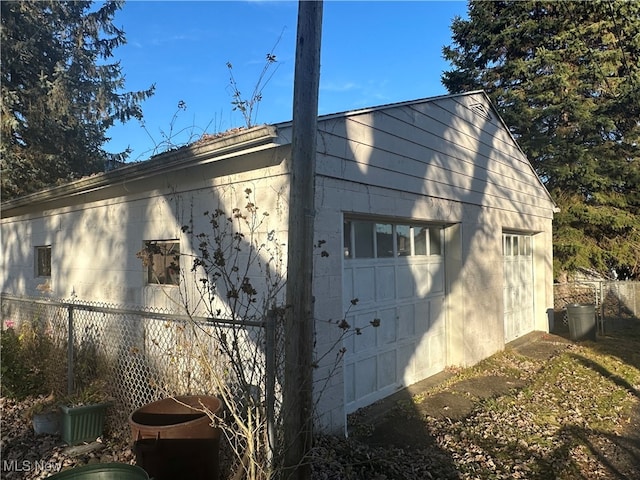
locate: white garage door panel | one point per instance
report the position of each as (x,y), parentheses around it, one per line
(436,317)
(437,278)
(364,284)
(406,321)
(370,378)
(407,357)
(367,338)
(409,344)
(347,280)
(365,377)
(386,332)
(430,350)
(385,280)
(387,369)
(349,383)
(406,282)
(423,279)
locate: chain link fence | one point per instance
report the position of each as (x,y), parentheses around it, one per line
(613,300)
(141,354)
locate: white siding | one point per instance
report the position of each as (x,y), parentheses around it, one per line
(439,148)
(434,161)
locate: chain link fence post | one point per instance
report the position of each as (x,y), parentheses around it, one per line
(270,380)
(70,341)
(601,308)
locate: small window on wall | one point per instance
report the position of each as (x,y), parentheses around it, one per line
(162,260)
(420,240)
(517,245)
(43,261)
(506,250)
(525,246)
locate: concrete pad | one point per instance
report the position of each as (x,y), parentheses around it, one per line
(455,406)
(487,386)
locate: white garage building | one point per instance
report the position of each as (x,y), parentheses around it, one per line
(428,213)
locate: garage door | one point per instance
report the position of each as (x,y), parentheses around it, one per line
(518,285)
(396,273)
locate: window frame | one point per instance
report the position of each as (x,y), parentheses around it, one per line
(38,261)
(151,276)
(350,250)
(517,244)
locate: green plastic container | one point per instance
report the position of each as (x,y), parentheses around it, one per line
(83,424)
(103,471)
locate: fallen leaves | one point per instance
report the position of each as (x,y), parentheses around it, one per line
(570,420)
(28,456)
(574,415)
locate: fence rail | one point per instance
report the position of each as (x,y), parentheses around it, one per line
(144,354)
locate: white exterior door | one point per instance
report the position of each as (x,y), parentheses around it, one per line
(518,285)
(396,273)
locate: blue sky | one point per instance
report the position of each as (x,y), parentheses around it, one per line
(372,53)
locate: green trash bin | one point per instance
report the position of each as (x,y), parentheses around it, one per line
(582,321)
(103,471)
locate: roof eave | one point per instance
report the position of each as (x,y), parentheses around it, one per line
(198,153)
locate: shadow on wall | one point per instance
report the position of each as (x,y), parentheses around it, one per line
(405,150)
(442,165)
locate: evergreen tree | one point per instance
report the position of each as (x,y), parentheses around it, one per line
(565,76)
(60,94)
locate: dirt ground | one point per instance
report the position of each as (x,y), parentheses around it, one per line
(413,419)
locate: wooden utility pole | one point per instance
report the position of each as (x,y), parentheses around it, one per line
(298,381)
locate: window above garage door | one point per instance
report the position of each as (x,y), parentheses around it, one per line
(372,239)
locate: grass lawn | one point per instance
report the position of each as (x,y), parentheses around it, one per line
(572,415)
